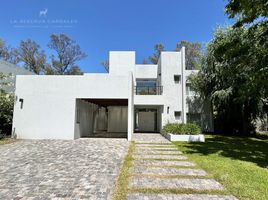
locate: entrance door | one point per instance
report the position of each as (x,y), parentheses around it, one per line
(146,121)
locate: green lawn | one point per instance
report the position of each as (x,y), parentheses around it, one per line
(240,164)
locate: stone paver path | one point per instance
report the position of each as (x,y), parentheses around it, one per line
(159,165)
(60,169)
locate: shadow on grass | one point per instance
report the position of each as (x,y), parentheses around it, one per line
(253,150)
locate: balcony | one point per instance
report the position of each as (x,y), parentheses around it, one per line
(148,90)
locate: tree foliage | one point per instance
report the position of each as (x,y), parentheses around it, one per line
(32,57)
(234,72)
(158,48)
(106,65)
(7,54)
(6,106)
(247,11)
(233,77)
(29,54)
(67,54)
(193,53)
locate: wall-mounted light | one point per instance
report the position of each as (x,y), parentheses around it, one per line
(168,110)
(21,103)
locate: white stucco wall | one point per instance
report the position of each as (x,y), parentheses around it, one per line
(149,100)
(172,91)
(49,102)
(121,62)
(146,71)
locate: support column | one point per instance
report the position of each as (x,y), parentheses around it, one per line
(183,78)
(130,107)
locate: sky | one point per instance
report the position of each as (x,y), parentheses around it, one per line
(100,26)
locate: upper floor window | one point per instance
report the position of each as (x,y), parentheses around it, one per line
(147,87)
(189,90)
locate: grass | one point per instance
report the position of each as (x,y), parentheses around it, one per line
(6,140)
(240,164)
(121,190)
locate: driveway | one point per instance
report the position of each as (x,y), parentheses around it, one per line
(60,169)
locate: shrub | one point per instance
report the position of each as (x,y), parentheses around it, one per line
(6,112)
(181,129)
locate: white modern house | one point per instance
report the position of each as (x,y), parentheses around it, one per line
(130,98)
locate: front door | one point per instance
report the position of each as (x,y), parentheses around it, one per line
(146,121)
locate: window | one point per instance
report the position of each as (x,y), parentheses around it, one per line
(177,78)
(146,87)
(189,90)
(21,103)
(177,115)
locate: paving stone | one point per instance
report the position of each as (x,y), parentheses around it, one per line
(164,163)
(152,152)
(154,144)
(138,196)
(196,184)
(156,149)
(167,157)
(149,138)
(61,169)
(169,171)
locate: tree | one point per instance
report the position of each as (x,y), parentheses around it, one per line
(193,53)
(234,72)
(32,57)
(233,77)
(247,11)
(6,106)
(158,48)
(105,64)
(67,54)
(3,50)
(145,61)
(8,54)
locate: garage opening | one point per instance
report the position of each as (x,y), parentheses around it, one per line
(101,118)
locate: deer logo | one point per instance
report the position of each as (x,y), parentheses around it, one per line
(43,13)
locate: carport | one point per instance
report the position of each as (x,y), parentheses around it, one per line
(101,118)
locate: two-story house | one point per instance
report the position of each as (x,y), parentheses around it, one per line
(130,98)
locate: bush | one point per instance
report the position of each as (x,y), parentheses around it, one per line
(6,112)
(181,129)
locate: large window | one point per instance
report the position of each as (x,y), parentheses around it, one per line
(146,87)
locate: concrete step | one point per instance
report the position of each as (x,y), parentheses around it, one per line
(169,171)
(177,157)
(142,196)
(139,182)
(156,149)
(155,146)
(164,163)
(152,152)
